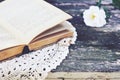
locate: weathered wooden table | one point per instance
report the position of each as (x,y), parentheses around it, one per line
(96,54)
(96,49)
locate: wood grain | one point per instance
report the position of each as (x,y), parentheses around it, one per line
(96,49)
(83,76)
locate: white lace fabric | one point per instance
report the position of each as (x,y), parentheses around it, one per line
(36,65)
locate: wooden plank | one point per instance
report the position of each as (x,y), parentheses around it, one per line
(53,79)
(84,76)
(82,79)
(91,79)
(96,49)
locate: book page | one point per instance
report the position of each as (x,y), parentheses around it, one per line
(60,27)
(28,18)
(7,40)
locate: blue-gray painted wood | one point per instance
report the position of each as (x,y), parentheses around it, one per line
(96,49)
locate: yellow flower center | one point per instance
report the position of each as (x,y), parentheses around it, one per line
(92,17)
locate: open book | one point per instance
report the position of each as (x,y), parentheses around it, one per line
(32,23)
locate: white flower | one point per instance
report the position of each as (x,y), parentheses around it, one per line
(94,17)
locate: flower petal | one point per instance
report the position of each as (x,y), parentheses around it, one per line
(94,17)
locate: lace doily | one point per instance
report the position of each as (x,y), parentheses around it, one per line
(36,65)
